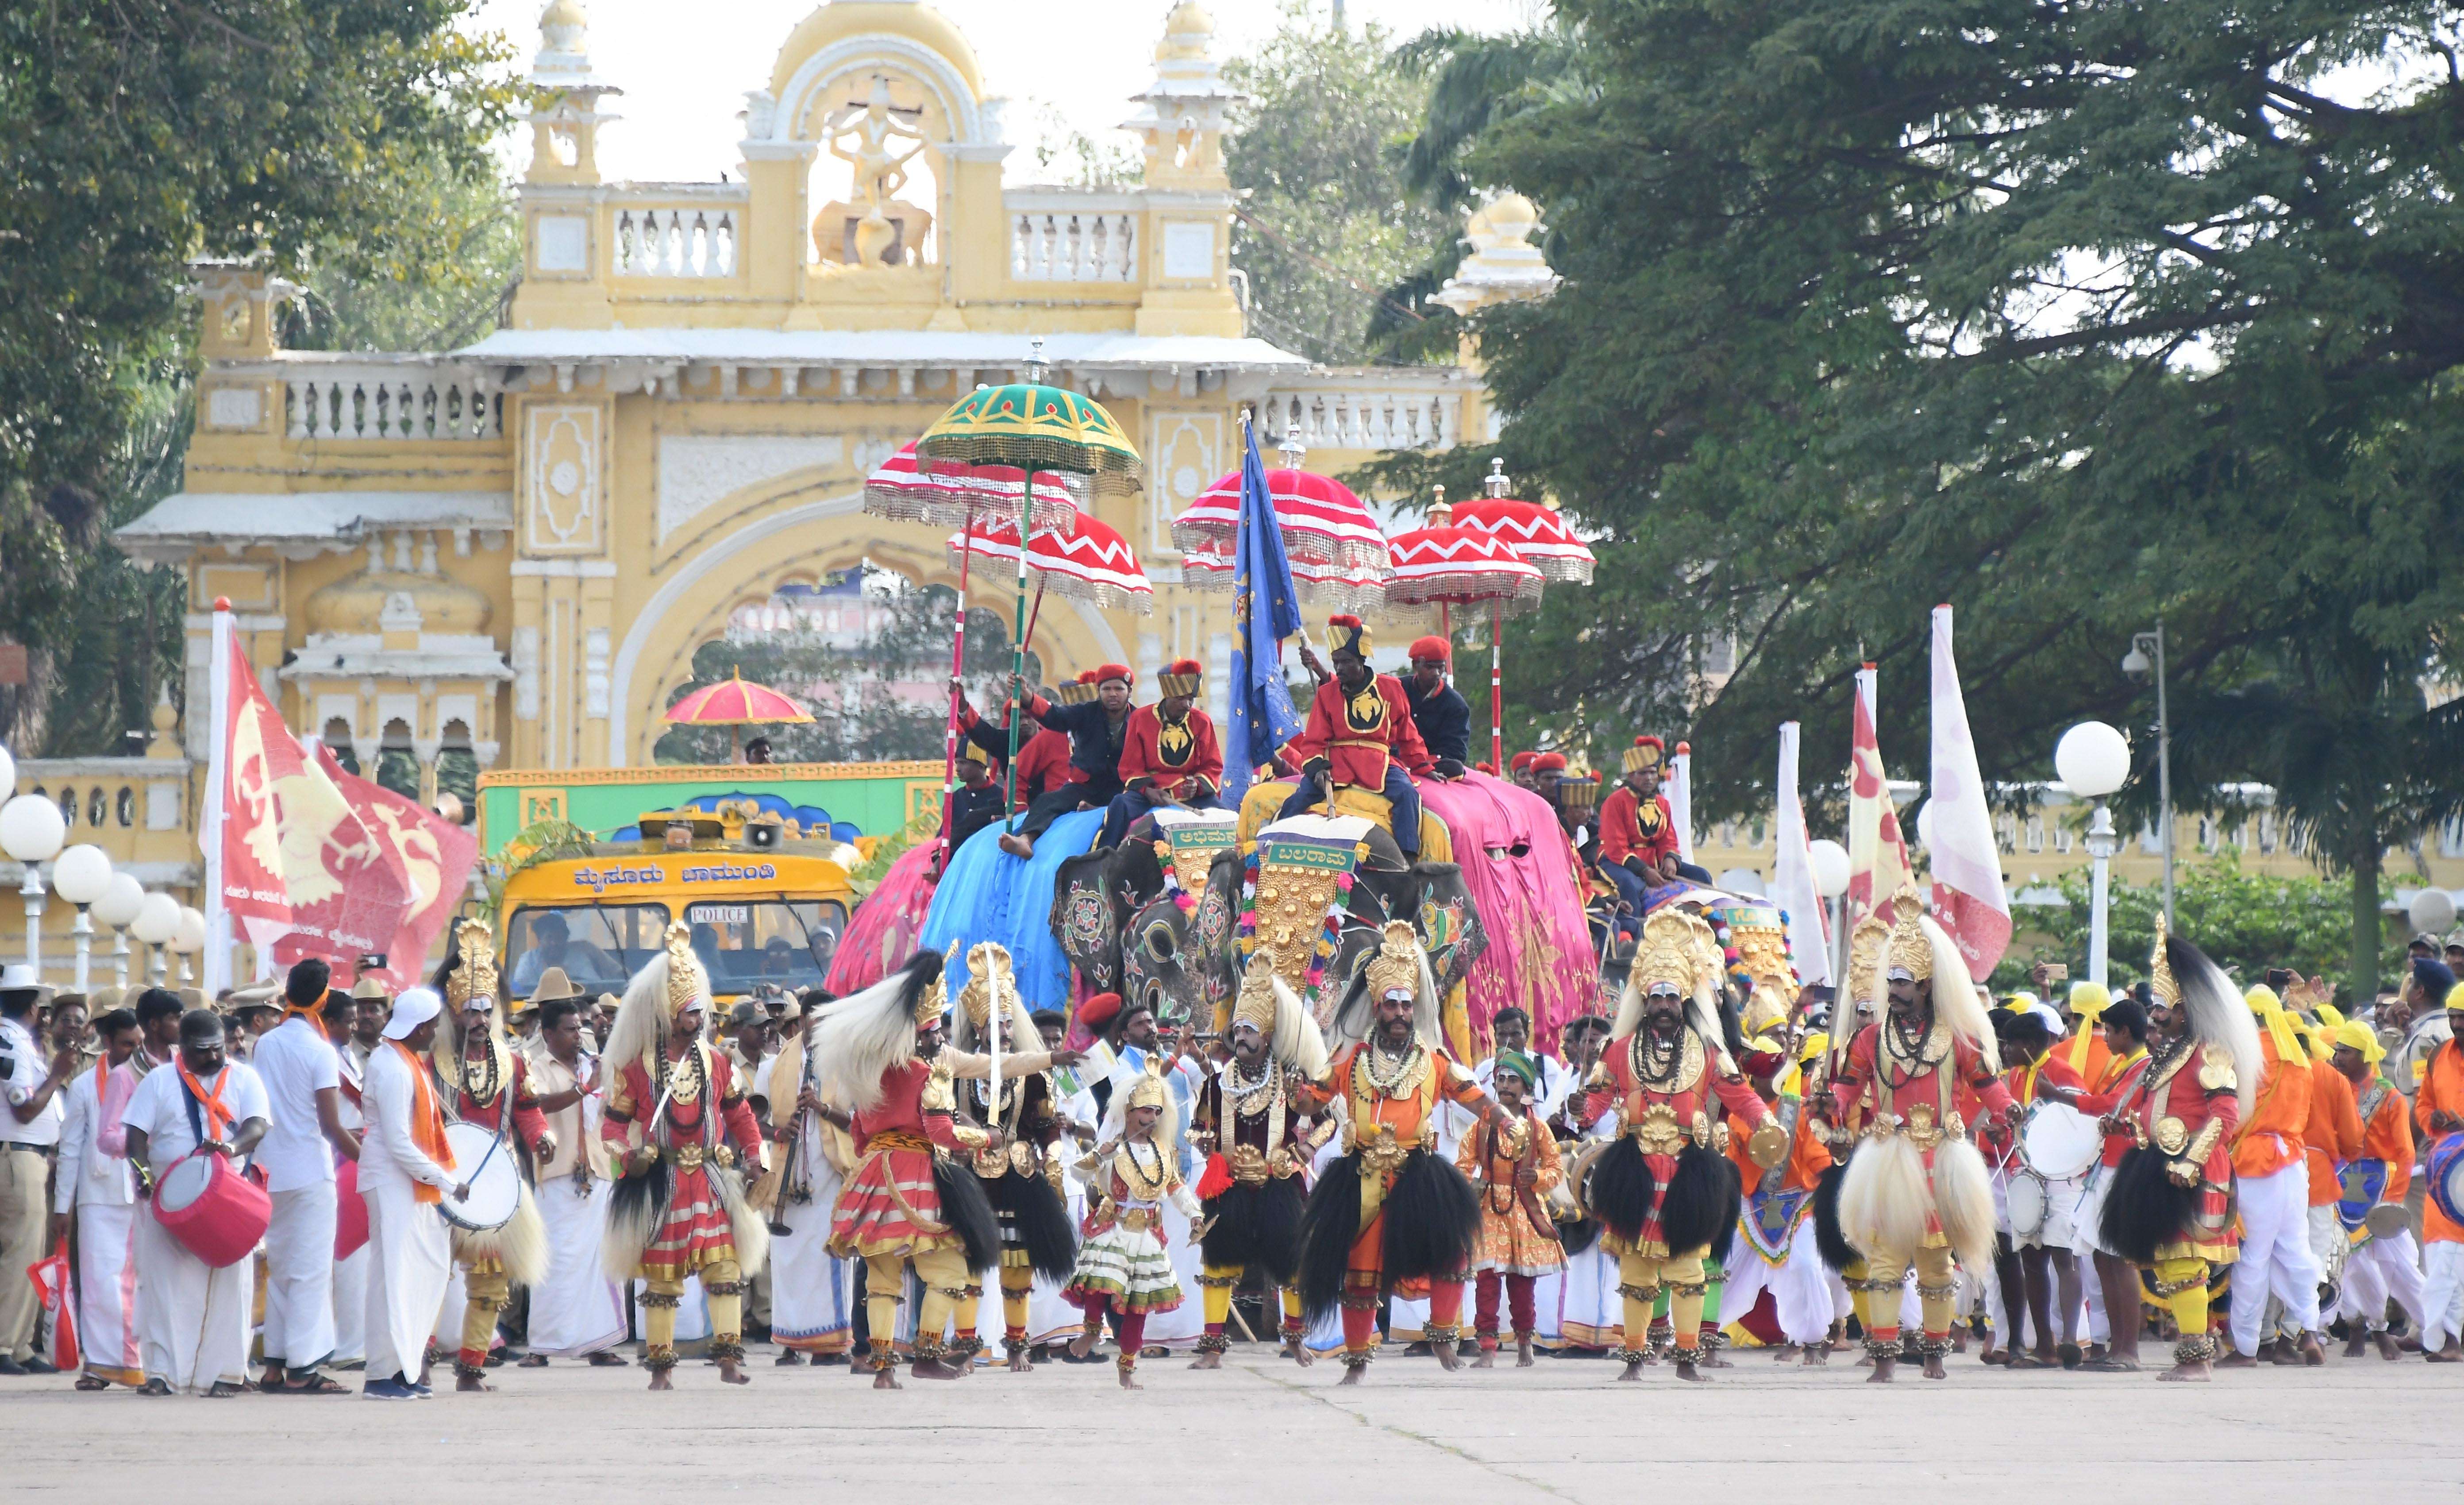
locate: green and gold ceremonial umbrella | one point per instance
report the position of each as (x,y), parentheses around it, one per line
(1035,428)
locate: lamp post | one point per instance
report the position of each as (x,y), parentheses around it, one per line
(83,875)
(156,921)
(2145,660)
(2093,760)
(1829,863)
(117,908)
(31,830)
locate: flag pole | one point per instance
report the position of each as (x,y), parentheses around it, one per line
(958,668)
(209,828)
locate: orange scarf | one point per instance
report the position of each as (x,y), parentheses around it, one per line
(217,1118)
(427,1124)
(314,1013)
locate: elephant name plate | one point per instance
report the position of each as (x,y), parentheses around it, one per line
(1190,839)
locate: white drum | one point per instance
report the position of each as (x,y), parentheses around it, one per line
(185,1183)
(2059,1143)
(2028,1202)
(496,1180)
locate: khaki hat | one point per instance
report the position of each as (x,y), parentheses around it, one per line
(258,995)
(372,985)
(107,999)
(553,985)
(192,997)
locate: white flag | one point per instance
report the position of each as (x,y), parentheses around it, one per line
(1969,900)
(1679,791)
(1792,887)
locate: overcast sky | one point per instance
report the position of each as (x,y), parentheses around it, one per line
(684,65)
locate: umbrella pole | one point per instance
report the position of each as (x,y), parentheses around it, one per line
(957,667)
(1496,685)
(1446,630)
(1017,660)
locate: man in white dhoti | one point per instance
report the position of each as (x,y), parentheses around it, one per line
(351,1272)
(93,1185)
(302,1076)
(405,1169)
(192,1319)
(576,1310)
(811,1290)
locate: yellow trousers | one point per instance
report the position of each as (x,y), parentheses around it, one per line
(1640,1279)
(484,1296)
(722,1282)
(946,1277)
(2182,1284)
(1216,1284)
(1937,1285)
(1017,1282)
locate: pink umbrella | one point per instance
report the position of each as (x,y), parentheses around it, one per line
(951,495)
(1444,564)
(1322,522)
(1089,560)
(1537,533)
(1337,588)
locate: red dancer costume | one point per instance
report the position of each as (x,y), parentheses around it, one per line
(1392,1214)
(680,1211)
(1663,1191)
(1916,1190)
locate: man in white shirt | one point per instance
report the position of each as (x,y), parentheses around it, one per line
(302,1081)
(402,1180)
(351,1272)
(94,1189)
(576,1310)
(31,1078)
(193,1317)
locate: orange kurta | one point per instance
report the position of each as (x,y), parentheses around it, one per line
(1510,1241)
(2442,1090)
(2085,1053)
(2333,1135)
(2272,1137)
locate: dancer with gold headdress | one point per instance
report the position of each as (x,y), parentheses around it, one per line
(2171,1208)
(679,1209)
(1392,1215)
(1124,1267)
(1019,1179)
(1247,1119)
(1663,1191)
(487,1082)
(1916,1191)
(908,1201)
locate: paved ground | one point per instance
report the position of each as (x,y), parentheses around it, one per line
(1261,1430)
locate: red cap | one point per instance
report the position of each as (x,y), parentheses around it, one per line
(1120,671)
(1087,676)
(1521,761)
(1548,762)
(1433,647)
(1186,666)
(1651,742)
(1097,1011)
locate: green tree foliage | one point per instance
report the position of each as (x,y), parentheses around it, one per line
(2068,316)
(1325,223)
(135,137)
(2248,922)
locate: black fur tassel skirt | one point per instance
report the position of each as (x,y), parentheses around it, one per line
(1032,1217)
(1429,1224)
(2146,1209)
(1257,1225)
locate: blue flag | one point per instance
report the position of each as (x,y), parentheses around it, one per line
(1264,611)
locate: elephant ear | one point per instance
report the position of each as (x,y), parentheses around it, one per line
(1156,957)
(1448,922)
(1136,872)
(1083,920)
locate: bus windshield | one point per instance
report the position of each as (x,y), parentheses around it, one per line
(599,946)
(744,943)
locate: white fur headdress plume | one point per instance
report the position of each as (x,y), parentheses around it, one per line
(860,1038)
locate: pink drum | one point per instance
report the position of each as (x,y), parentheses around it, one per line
(216,1212)
(350,1211)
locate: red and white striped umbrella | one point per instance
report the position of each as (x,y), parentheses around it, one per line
(735,701)
(1337,588)
(1537,533)
(1461,566)
(948,493)
(1321,520)
(1089,560)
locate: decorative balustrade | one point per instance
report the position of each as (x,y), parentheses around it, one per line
(1377,410)
(691,241)
(109,801)
(399,399)
(1071,238)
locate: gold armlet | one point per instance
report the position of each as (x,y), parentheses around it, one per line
(2205,1145)
(2216,1069)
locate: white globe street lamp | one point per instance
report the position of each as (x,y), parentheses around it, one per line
(2094,760)
(31,830)
(2432,912)
(156,921)
(1829,863)
(188,940)
(81,875)
(118,907)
